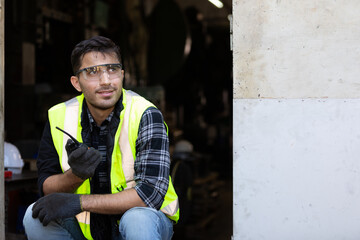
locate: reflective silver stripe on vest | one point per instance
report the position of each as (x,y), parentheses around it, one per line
(172,208)
(127,157)
(83,217)
(71,117)
(71,123)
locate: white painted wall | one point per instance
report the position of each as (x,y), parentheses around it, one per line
(296,119)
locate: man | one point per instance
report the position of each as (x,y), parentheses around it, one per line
(116,183)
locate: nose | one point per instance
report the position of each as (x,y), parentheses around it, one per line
(104,78)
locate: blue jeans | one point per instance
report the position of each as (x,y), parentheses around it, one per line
(136,223)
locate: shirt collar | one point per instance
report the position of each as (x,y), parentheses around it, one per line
(92,122)
(87,118)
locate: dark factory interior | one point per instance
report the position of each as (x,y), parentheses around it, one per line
(176,53)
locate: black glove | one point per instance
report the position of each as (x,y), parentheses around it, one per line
(83,161)
(56,205)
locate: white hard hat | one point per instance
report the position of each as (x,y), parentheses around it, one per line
(12,156)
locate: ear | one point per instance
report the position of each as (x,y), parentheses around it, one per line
(122,75)
(75,82)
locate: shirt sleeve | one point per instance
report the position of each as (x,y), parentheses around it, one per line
(152,163)
(48,160)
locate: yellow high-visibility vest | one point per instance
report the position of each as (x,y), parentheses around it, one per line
(67,116)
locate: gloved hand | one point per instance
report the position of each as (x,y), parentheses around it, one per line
(83,161)
(56,205)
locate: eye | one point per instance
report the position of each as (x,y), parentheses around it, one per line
(91,71)
(112,68)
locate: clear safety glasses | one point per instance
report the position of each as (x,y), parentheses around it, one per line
(94,73)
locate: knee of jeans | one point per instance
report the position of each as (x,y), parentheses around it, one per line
(145,223)
(137,222)
(28,216)
(139,214)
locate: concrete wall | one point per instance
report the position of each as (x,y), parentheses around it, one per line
(2,118)
(296,119)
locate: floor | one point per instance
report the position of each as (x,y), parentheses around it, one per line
(219,224)
(13,236)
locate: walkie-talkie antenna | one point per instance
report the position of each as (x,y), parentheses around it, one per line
(72,138)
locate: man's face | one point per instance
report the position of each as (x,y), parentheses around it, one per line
(103,92)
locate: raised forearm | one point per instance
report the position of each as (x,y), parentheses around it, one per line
(65,182)
(112,203)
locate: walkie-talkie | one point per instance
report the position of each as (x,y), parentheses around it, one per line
(72,144)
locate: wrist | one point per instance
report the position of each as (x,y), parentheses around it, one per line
(75,176)
(81,204)
(84,202)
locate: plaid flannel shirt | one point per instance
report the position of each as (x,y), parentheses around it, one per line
(152,163)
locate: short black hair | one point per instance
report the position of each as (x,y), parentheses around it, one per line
(94,44)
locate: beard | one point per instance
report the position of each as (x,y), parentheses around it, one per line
(102,103)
